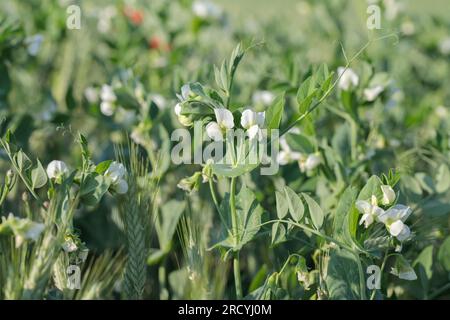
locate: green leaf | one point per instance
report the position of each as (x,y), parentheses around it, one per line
(341,223)
(275,112)
(282,204)
(300,143)
(315,211)
(249,216)
(296,208)
(278,233)
(444,254)
(372,187)
(342,278)
(103,166)
(94,188)
(38,176)
(248,223)
(22,161)
(443,178)
(424,266)
(232,171)
(170,215)
(306,94)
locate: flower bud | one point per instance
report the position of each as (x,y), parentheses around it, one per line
(388,195)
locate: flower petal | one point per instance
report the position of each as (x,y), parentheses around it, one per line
(247,119)
(224,118)
(388,195)
(363,206)
(396,228)
(214,132)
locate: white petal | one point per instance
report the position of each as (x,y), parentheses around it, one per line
(107,94)
(363,206)
(312,161)
(367,219)
(348,78)
(185,91)
(56,168)
(213,131)
(404,234)
(248,119)
(388,195)
(107,108)
(254,132)
(408,275)
(260,118)
(283,158)
(116,171)
(370,94)
(121,187)
(177,109)
(224,118)
(396,228)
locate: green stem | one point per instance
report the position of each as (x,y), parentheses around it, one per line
(213,195)
(234,226)
(362,282)
(383,264)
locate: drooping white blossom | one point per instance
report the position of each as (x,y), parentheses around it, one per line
(253,122)
(394,219)
(370,94)
(224,122)
(57,169)
(108,97)
(388,195)
(117,173)
(263,97)
(348,79)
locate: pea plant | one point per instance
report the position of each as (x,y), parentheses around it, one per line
(176,150)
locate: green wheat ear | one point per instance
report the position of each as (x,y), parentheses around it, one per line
(136,212)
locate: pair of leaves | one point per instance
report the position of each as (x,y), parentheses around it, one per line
(249,214)
(37,177)
(289,201)
(314,86)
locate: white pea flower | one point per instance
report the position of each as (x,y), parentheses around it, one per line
(263,97)
(108,97)
(117,173)
(348,79)
(57,170)
(394,219)
(104,19)
(286,155)
(370,211)
(184,120)
(34,44)
(91,94)
(225,121)
(186,93)
(206,9)
(108,94)
(370,94)
(121,187)
(310,162)
(69,245)
(253,122)
(388,195)
(34,230)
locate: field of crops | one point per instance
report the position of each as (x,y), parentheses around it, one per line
(258,150)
